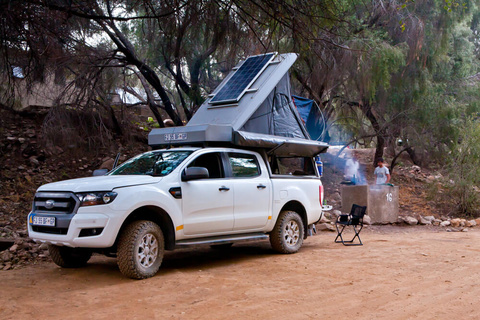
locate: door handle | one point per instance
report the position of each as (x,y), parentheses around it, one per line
(223,188)
(261,186)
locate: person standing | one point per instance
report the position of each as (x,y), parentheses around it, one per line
(381,172)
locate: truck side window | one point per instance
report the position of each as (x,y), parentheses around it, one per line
(244,165)
(213,162)
(298,166)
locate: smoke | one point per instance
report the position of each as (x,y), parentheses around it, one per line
(345,162)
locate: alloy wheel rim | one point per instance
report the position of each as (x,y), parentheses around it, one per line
(147,250)
(292,233)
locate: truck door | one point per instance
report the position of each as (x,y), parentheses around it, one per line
(252,191)
(208,203)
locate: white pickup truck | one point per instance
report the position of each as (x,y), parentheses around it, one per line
(163,199)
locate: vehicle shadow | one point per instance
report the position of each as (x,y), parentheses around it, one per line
(101,270)
(185,259)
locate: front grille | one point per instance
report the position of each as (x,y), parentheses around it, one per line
(51,230)
(54,202)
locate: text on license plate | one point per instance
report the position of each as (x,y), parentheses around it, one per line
(175,136)
(44,221)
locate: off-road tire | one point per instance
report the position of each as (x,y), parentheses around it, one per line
(136,242)
(67,257)
(287,235)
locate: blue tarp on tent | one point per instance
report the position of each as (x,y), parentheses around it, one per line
(311,116)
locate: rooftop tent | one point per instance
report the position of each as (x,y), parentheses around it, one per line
(311,116)
(277,115)
(250,108)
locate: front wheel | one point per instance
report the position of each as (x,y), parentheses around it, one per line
(140,249)
(287,235)
(67,257)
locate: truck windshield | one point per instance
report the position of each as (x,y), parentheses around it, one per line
(155,163)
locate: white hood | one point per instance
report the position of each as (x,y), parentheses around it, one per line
(101,183)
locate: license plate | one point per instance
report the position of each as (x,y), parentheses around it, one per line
(43,221)
(175,136)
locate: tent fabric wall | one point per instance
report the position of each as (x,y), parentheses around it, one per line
(311,116)
(277,115)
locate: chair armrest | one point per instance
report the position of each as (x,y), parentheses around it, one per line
(342,218)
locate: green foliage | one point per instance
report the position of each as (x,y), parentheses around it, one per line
(464,169)
(386,61)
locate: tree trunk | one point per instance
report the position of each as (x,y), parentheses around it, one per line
(379,131)
(124,46)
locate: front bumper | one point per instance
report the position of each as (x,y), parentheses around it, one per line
(73,236)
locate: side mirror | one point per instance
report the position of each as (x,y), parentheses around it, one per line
(195,173)
(100,172)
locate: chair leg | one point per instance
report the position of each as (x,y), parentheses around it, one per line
(357,235)
(339,234)
(349,242)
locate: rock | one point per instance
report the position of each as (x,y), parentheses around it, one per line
(336,212)
(477,221)
(465,230)
(33,160)
(424,221)
(429,218)
(324,219)
(445,223)
(21,140)
(325,227)
(328,215)
(6,256)
(107,164)
(472,223)
(410,220)
(416,169)
(436,222)
(367,220)
(455,223)
(43,246)
(30,133)
(14,248)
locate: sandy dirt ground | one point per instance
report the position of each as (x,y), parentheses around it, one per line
(400,273)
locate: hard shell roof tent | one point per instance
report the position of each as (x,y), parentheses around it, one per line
(252,107)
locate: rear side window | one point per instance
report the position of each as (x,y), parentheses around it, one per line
(244,165)
(297,166)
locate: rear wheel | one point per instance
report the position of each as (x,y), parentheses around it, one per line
(140,249)
(287,235)
(67,257)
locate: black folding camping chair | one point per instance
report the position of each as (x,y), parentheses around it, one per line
(354,219)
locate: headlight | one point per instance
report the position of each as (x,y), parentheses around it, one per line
(96,198)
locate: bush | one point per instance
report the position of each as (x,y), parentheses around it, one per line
(464,169)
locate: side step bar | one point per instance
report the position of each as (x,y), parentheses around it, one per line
(222,239)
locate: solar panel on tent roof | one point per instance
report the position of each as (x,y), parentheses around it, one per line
(242,79)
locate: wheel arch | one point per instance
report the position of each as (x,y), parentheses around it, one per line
(296,206)
(157,215)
